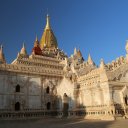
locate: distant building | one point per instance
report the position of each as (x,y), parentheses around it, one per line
(48,82)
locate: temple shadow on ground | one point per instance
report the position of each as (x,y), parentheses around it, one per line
(59,123)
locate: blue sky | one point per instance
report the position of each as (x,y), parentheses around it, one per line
(98,27)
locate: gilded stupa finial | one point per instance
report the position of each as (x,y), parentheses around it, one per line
(48,39)
(47,22)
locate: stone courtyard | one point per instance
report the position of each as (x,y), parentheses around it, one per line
(63,123)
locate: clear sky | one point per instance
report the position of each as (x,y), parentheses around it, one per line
(98,27)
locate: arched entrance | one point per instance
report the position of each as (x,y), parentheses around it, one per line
(47,90)
(48,106)
(17,106)
(65,105)
(17,88)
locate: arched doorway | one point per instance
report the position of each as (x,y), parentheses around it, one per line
(17,88)
(47,90)
(65,105)
(17,106)
(48,106)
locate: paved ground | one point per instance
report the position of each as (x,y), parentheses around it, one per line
(63,123)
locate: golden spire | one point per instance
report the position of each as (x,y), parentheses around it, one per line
(47,22)
(48,39)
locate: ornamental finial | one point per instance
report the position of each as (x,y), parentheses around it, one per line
(47,22)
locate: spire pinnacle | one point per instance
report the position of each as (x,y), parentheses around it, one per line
(75,51)
(1,48)
(102,64)
(23,45)
(36,43)
(78,52)
(2,59)
(47,22)
(23,50)
(48,36)
(36,38)
(90,61)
